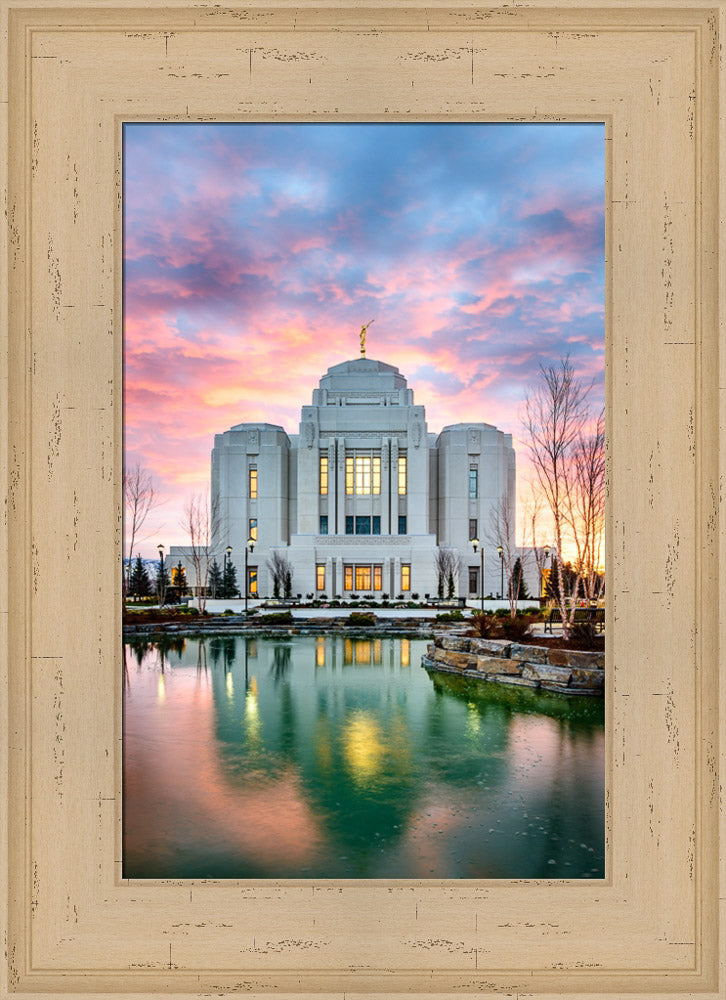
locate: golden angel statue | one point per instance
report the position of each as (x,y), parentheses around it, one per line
(363,337)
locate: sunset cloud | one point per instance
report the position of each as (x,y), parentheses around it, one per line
(253,254)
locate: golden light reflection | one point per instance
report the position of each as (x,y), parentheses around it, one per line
(473,719)
(320,651)
(405,652)
(252,713)
(363,747)
(323,748)
(162,689)
(230,686)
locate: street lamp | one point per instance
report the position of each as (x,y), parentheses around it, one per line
(546,551)
(227,554)
(161,576)
(500,553)
(475,546)
(249,547)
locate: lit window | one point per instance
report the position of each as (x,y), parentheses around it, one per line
(362,578)
(473,482)
(348,577)
(253,529)
(253,484)
(252,580)
(323,524)
(349,477)
(362,475)
(320,576)
(376,474)
(405,576)
(402,524)
(378,578)
(402,475)
(323,475)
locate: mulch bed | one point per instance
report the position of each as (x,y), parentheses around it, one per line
(555,642)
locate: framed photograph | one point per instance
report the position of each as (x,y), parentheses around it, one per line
(77,74)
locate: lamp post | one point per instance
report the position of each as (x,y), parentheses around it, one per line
(161,576)
(546,557)
(500,553)
(227,554)
(475,546)
(249,547)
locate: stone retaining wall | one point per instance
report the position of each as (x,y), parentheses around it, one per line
(561,670)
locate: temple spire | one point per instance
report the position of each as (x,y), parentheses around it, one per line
(363,337)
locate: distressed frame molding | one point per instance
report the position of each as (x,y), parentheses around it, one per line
(71,925)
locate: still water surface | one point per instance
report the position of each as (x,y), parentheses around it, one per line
(333,757)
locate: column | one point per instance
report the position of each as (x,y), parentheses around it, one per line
(340,519)
(385,488)
(394,486)
(339,578)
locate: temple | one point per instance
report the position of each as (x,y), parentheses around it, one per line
(363,498)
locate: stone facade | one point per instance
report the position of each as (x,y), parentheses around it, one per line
(359,500)
(561,670)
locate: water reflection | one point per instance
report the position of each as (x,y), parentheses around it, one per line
(341,757)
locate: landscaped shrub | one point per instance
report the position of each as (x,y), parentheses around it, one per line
(517,628)
(585,636)
(365,618)
(502,626)
(278,618)
(450,616)
(485,625)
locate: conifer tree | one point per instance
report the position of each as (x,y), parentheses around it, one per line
(229,581)
(216,584)
(140,584)
(162,582)
(517,583)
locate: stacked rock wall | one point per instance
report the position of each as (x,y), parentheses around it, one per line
(561,670)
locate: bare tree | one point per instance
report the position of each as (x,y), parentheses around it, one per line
(556,414)
(587,509)
(447,563)
(200,523)
(139,496)
(501,532)
(281,572)
(533,535)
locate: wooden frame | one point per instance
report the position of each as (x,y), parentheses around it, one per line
(76,70)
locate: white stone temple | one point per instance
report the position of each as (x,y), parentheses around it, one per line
(361,498)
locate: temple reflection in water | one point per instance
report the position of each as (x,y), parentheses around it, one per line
(340,757)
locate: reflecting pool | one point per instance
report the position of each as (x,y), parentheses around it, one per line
(337,757)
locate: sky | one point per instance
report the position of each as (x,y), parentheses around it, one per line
(253,254)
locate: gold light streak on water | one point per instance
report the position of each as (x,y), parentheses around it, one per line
(320,651)
(473,719)
(405,652)
(161,696)
(230,686)
(363,747)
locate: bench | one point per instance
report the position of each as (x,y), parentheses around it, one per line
(596,616)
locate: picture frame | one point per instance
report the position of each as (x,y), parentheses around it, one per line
(75,72)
